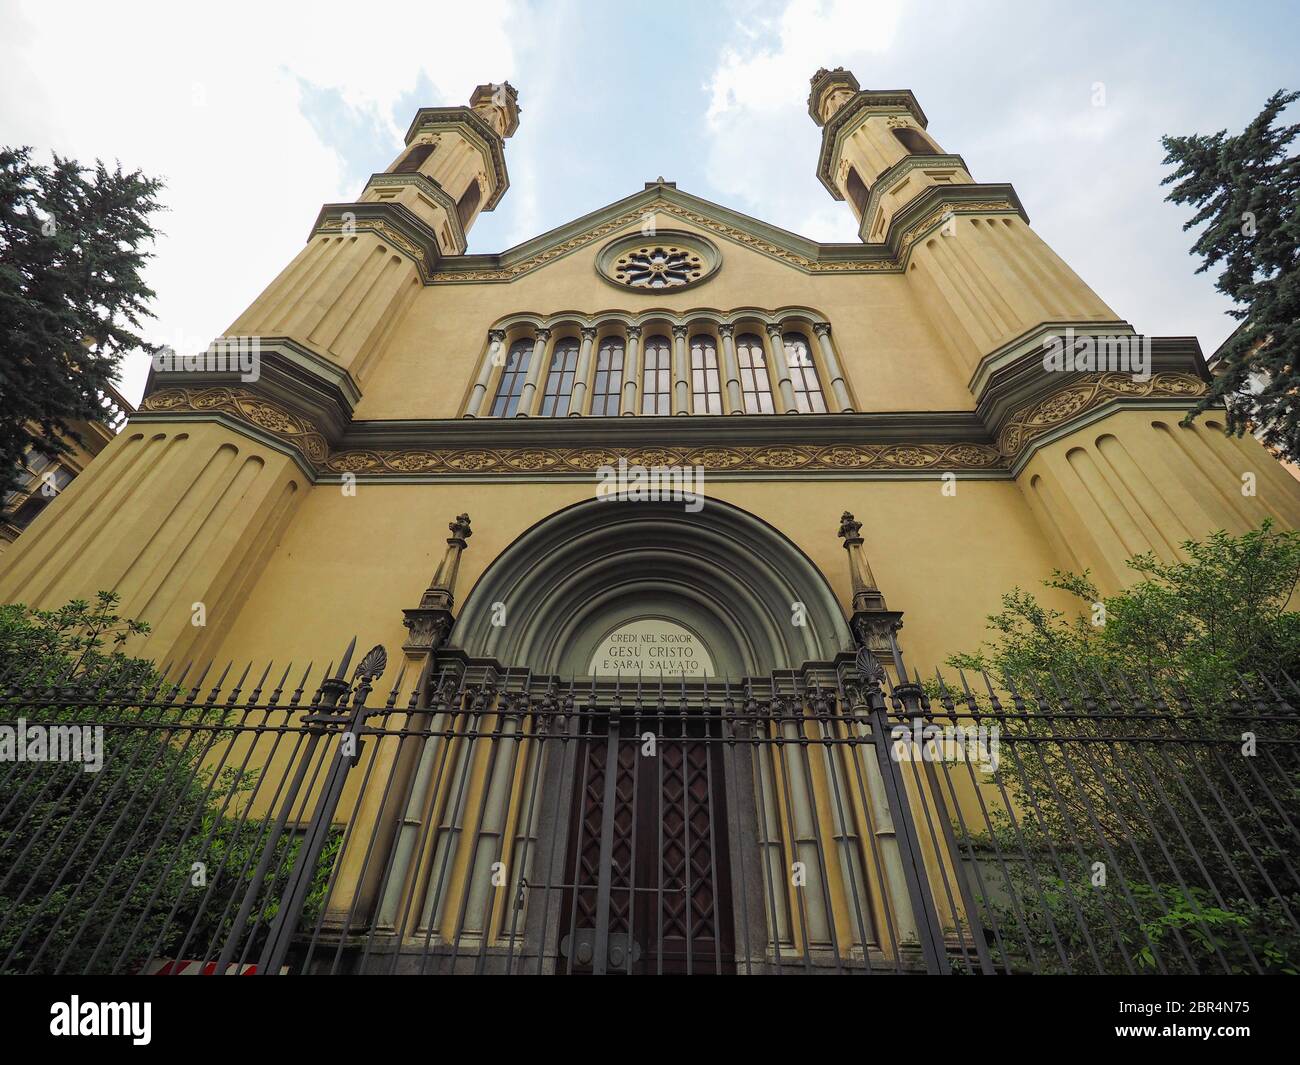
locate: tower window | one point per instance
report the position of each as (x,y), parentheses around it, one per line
(754,383)
(559,382)
(414,159)
(913,143)
(803,374)
(858,192)
(609,377)
(656,383)
(513,374)
(468,203)
(706,391)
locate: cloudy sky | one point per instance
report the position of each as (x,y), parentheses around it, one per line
(257,113)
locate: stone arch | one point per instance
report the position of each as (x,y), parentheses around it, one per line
(721,573)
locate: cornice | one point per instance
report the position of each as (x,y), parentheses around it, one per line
(430,188)
(933,207)
(1019,386)
(849,445)
(1011,357)
(907,444)
(926,212)
(291,378)
(897,171)
(392,222)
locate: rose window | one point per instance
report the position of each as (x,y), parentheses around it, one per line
(666,259)
(658,266)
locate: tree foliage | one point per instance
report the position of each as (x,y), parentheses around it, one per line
(1202,622)
(1246,191)
(1132,756)
(73,242)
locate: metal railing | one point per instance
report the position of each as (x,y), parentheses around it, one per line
(484,819)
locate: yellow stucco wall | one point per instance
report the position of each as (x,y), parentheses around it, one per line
(176,513)
(892,356)
(349,565)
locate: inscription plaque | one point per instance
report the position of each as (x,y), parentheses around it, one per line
(650,647)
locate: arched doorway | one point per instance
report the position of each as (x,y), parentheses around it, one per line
(644,865)
(720,582)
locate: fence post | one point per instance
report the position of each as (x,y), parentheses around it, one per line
(929,930)
(874,627)
(335,691)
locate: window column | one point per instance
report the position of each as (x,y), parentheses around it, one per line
(781,368)
(577,406)
(730,370)
(631,369)
(528,398)
(681,373)
(838,388)
(477,397)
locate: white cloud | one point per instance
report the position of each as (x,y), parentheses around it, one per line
(761,141)
(993,83)
(208,98)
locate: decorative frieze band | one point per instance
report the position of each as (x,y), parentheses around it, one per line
(405,461)
(773,458)
(770,248)
(1086,393)
(1056,411)
(245,406)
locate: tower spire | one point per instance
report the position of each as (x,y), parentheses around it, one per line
(869,135)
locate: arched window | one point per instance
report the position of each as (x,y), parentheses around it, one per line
(858,192)
(414,159)
(559,382)
(513,374)
(656,381)
(609,377)
(468,203)
(754,381)
(803,374)
(913,143)
(706,391)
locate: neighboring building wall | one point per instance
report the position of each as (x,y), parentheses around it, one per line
(44,478)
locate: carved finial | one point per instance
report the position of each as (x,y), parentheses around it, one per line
(849,530)
(431,621)
(498,105)
(831,90)
(866,596)
(460,529)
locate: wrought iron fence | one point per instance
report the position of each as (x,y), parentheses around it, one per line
(483,819)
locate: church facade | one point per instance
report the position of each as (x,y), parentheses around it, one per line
(653,433)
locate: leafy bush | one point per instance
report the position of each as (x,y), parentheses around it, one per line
(1160,685)
(98,869)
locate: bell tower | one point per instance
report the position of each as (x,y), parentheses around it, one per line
(364,262)
(988,282)
(870,136)
(210,491)
(453,165)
